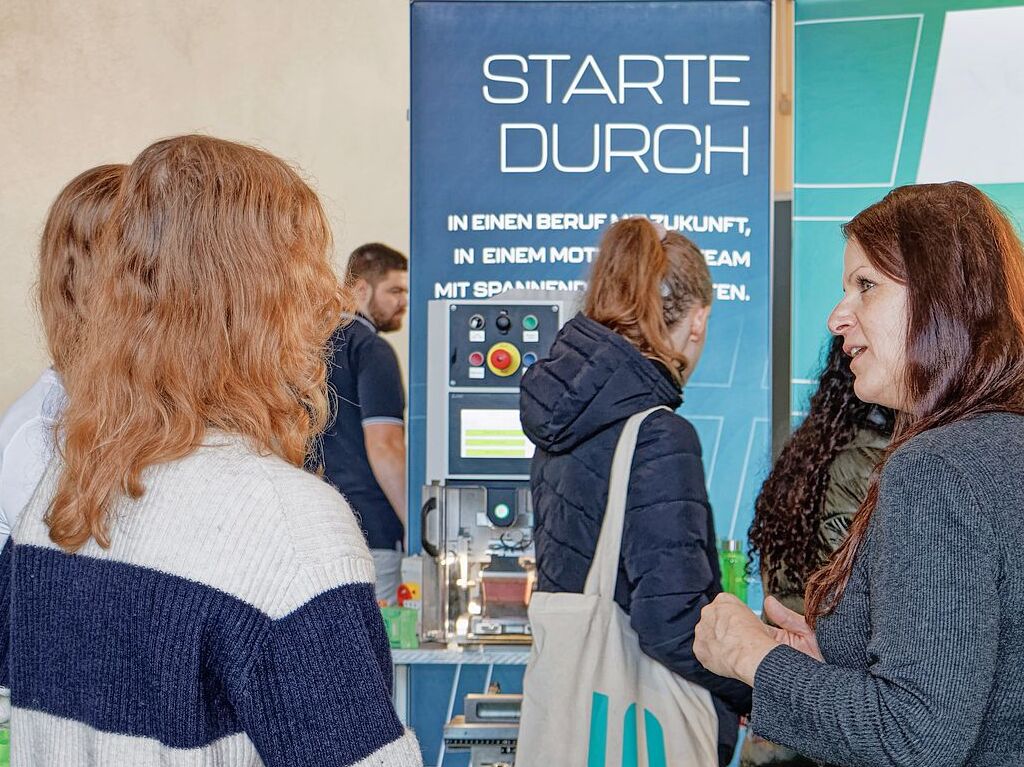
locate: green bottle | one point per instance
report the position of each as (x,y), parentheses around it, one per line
(733,562)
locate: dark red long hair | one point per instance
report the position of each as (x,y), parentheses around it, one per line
(963,267)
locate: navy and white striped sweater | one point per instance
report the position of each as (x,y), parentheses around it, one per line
(232,623)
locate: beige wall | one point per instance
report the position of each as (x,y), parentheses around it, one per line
(322,83)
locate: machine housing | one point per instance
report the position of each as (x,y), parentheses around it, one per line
(476,513)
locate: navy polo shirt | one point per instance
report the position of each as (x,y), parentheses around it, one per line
(366,388)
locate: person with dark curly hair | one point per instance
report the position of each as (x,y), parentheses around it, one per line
(806,504)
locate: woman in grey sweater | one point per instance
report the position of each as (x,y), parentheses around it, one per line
(913,648)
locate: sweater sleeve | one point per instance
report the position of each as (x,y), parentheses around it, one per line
(315,683)
(665,547)
(933,639)
(6,567)
(318,690)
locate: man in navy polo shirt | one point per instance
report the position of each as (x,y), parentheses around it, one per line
(363,449)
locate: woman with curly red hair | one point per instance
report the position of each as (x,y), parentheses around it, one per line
(179,589)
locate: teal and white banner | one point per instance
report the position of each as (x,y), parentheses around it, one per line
(893,92)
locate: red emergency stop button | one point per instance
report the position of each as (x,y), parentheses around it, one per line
(503,359)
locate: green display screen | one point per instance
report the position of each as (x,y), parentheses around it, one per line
(493,434)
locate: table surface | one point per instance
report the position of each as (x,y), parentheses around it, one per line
(477,655)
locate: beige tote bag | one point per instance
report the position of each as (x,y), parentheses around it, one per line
(591,697)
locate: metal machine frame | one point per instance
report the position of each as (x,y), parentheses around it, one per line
(476,515)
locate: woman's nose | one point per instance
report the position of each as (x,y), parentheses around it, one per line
(841,319)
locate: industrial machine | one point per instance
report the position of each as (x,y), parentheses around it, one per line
(476,517)
(488,730)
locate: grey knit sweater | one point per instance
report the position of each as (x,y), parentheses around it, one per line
(924,655)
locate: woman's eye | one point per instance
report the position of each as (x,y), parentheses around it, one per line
(864,284)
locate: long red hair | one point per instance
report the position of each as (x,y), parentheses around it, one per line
(963,267)
(215,300)
(67,255)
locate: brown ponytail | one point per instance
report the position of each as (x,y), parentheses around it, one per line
(643,283)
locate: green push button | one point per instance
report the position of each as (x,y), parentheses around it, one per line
(530,322)
(502,511)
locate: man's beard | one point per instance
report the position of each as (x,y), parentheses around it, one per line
(387,324)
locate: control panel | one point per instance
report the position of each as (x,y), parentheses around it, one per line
(490,345)
(473,428)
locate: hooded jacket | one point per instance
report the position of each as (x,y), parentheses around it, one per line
(573,406)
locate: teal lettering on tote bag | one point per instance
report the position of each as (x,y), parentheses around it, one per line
(598,731)
(598,748)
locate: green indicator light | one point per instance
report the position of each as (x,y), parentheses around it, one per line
(530,322)
(501,511)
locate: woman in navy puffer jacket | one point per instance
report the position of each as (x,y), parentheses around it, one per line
(638,339)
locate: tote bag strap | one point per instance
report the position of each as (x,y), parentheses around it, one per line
(605,567)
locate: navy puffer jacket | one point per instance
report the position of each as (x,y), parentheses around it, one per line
(574,405)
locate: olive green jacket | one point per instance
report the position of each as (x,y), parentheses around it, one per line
(848,480)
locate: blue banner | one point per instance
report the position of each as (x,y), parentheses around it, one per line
(536,124)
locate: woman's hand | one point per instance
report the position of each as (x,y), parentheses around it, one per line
(792,628)
(730,640)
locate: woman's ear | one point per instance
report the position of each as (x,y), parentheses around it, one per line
(699,322)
